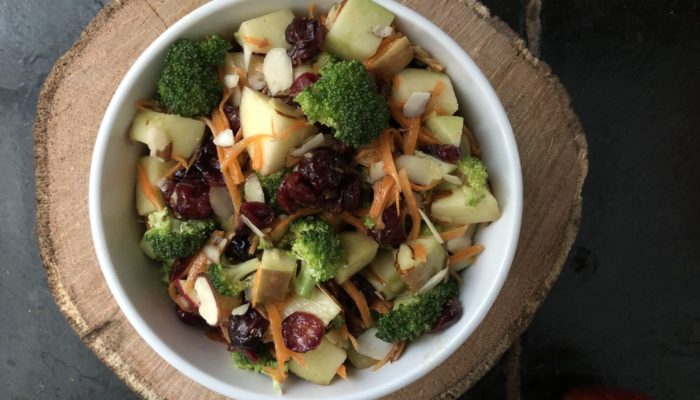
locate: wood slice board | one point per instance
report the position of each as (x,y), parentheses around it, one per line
(78,89)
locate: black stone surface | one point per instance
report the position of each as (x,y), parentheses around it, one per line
(626,310)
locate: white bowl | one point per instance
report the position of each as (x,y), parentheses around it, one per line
(136,286)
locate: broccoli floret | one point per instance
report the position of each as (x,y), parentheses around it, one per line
(320,251)
(475,176)
(230,280)
(369,222)
(345,98)
(416,315)
(189,84)
(169,238)
(270,186)
(265,360)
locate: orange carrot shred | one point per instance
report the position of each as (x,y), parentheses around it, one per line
(281,227)
(147,188)
(354,221)
(465,253)
(454,233)
(257,163)
(419,252)
(312,10)
(360,301)
(411,203)
(282,353)
(383,189)
(426,136)
(342,373)
(411,139)
(255,41)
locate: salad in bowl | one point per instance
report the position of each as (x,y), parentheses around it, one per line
(309,191)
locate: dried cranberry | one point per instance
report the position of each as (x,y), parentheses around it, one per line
(365,287)
(246,331)
(189,318)
(302,331)
(445,152)
(393,233)
(190,200)
(206,162)
(238,247)
(234,117)
(260,214)
(306,37)
(352,314)
(451,312)
(302,82)
(349,199)
(323,168)
(294,192)
(178,269)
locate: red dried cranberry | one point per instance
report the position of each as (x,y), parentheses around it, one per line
(306,37)
(190,200)
(451,312)
(237,249)
(393,233)
(365,287)
(191,319)
(302,331)
(206,162)
(352,313)
(177,271)
(445,152)
(260,214)
(295,192)
(302,82)
(234,117)
(349,198)
(246,331)
(323,168)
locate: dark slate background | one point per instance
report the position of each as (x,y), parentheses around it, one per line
(625,312)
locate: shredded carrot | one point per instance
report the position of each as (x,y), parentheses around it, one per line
(420,188)
(411,203)
(465,253)
(354,221)
(411,139)
(438,89)
(454,233)
(397,348)
(255,286)
(353,341)
(281,227)
(383,189)
(234,151)
(312,10)
(368,155)
(383,47)
(426,136)
(255,41)
(147,188)
(342,373)
(359,299)
(181,160)
(381,306)
(282,353)
(419,252)
(286,132)
(257,163)
(473,145)
(386,150)
(199,263)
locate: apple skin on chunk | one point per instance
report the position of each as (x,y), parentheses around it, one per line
(265,32)
(410,80)
(446,128)
(320,364)
(350,35)
(259,114)
(453,209)
(155,170)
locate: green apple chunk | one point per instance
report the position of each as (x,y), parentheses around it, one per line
(360,250)
(159,130)
(453,209)
(423,169)
(415,272)
(266,32)
(320,304)
(320,364)
(234,61)
(383,276)
(274,274)
(410,80)
(446,128)
(350,33)
(259,114)
(155,170)
(393,58)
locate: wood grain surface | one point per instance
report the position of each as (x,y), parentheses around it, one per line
(76,93)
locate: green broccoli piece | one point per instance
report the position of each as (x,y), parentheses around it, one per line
(320,251)
(415,315)
(369,222)
(475,176)
(345,98)
(169,238)
(265,359)
(270,186)
(230,280)
(189,84)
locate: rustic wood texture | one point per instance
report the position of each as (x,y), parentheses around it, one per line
(76,93)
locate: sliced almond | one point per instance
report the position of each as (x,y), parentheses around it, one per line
(278,70)
(376,171)
(208,301)
(382,31)
(253,190)
(240,310)
(231,80)
(416,103)
(220,201)
(308,145)
(225,138)
(190,299)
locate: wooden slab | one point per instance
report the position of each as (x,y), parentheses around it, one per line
(75,96)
